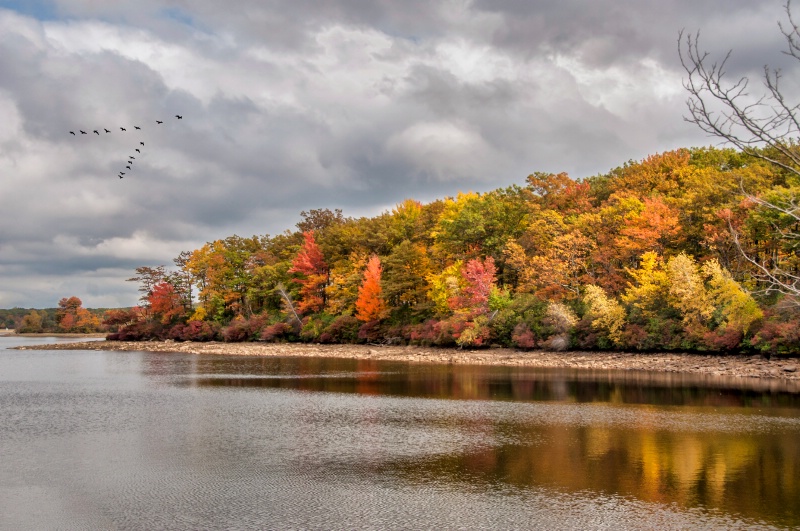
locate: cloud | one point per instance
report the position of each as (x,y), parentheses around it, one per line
(290,106)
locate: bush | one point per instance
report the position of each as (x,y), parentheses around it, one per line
(371,332)
(557,343)
(776,337)
(236,331)
(343,329)
(314,326)
(523,338)
(141,331)
(728,338)
(475,334)
(277,332)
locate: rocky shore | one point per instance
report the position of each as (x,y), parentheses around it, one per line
(730,366)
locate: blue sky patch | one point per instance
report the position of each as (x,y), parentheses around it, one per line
(38,9)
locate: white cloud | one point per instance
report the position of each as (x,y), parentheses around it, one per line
(442,151)
(353,105)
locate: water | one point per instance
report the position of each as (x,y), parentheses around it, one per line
(121,440)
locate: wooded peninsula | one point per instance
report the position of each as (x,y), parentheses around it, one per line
(689,250)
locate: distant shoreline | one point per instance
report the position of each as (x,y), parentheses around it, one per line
(737,366)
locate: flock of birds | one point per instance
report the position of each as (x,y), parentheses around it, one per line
(131,158)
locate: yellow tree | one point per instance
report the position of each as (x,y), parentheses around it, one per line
(736,311)
(444,287)
(649,291)
(605,313)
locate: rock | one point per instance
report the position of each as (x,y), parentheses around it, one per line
(789,368)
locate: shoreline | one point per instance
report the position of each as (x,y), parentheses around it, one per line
(52,334)
(738,366)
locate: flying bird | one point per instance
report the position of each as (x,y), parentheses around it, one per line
(179,117)
(142,143)
(120,177)
(131,157)
(123,129)
(159,122)
(137,127)
(72,133)
(137,150)
(82,132)
(95,132)
(128,167)
(122,173)
(106,130)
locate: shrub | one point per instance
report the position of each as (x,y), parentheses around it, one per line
(200,331)
(343,329)
(475,334)
(727,338)
(777,337)
(277,332)
(140,331)
(523,338)
(244,329)
(236,331)
(314,326)
(558,342)
(370,332)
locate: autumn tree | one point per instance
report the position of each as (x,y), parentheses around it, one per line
(479,279)
(31,323)
(71,316)
(605,314)
(166,303)
(312,275)
(405,278)
(346,277)
(370,305)
(119,317)
(182,280)
(223,271)
(445,286)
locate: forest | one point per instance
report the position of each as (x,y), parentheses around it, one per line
(688,250)
(70,316)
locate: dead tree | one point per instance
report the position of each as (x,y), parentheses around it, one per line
(764,125)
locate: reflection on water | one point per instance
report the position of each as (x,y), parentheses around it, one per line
(140,440)
(741,461)
(494,383)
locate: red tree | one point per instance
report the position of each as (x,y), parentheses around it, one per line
(479,279)
(165,302)
(369,305)
(310,265)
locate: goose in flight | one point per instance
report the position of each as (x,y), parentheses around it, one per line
(128,167)
(83,132)
(122,129)
(131,157)
(106,130)
(122,173)
(137,150)
(179,117)
(137,127)
(95,132)
(72,133)
(159,122)
(142,143)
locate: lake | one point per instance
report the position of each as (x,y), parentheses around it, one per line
(137,440)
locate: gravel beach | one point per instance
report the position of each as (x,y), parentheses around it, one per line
(753,366)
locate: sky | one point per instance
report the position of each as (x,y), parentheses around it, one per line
(297,105)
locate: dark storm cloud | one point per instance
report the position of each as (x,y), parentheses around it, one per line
(290,106)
